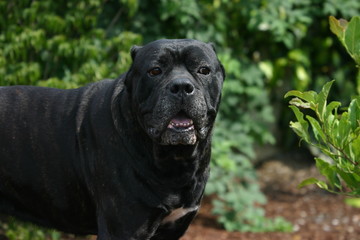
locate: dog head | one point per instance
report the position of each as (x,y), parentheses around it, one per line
(175,89)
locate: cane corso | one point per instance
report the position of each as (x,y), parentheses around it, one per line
(123,159)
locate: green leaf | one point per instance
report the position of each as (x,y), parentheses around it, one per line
(318,132)
(349,178)
(322,100)
(330,108)
(352,39)
(310,181)
(302,79)
(297,128)
(307,182)
(334,132)
(330,116)
(354,202)
(328,171)
(343,130)
(354,113)
(267,68)
(355,149)
(338,27)
(309,96)
(300,127)
(299,103)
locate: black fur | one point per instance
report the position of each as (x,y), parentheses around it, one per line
(102,159)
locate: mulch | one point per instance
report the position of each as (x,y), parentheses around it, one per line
(314,213)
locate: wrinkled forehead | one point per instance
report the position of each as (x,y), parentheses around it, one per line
(178,49)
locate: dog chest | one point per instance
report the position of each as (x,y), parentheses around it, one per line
(177,214)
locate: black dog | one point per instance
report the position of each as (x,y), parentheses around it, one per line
(123,159)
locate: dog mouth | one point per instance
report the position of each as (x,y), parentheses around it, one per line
(181,123)
(179,131)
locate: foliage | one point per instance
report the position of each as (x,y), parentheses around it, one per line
(335,131)
(336,135)
(234,183)
(349,35)
(58,44)
(233,179)
(24,231)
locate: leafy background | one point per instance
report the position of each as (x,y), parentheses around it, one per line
(267,48)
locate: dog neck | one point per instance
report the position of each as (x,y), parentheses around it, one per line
(172,165)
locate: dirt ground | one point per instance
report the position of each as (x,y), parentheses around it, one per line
(315,214)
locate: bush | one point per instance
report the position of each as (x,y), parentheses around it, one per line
(334,131)
(233,178)
(335,134)
(57,44)
(15,230)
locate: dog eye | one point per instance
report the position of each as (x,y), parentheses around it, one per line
(154,72)
(204,70)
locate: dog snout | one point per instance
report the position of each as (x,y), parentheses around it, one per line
(181,87)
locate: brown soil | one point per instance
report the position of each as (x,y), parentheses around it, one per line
(315,214)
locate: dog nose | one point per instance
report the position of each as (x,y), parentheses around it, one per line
(181,86)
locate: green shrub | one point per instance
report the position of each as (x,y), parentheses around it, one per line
(233,179)
(234,183)
(58,44)
(334,130)
(15,230)
(335,134)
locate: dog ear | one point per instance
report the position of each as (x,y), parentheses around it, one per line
(133,51)
(223,71)
(212,45)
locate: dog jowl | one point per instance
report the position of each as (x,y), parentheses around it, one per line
(123,159)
